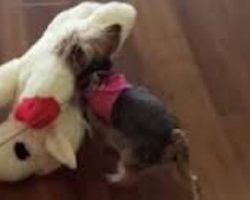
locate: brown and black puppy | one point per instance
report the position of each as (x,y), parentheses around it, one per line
(131,119)
(139,127)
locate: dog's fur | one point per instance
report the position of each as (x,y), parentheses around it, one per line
(142,131)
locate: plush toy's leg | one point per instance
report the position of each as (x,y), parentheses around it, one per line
(81,11)
(8,81)
(57,29)
(52,80)
(116,13)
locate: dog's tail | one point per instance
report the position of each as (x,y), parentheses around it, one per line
(178,154)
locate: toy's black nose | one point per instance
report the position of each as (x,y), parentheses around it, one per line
(21,151)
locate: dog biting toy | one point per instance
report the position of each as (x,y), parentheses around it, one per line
(45,126)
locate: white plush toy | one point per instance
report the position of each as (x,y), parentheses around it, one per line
(45,126)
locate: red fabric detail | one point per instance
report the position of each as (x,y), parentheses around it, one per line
(37,112)
(102,99)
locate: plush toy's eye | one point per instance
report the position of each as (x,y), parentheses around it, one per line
(21,151)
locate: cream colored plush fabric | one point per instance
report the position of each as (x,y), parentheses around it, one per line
(41,72)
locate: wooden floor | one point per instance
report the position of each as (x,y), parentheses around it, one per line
(196,56)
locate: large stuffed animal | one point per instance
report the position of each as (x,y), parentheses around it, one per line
(45,127)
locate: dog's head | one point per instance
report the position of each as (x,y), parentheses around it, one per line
(90,49)
(88,45)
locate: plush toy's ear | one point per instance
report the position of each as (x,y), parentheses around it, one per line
(60,149)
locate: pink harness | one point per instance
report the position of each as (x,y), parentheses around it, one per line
(102,99)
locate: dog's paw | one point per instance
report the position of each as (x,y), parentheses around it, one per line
(194,178)
(114,178)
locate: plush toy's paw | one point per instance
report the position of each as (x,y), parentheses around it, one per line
(37,112)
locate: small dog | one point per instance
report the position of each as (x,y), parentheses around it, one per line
(136,123)
(129,118)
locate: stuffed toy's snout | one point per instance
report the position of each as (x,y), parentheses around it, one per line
(26,151)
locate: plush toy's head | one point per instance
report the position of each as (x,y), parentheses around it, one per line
(25,151)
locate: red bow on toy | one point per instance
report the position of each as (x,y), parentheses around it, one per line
(37,112)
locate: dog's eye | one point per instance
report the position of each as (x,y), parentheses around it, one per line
(77,59)
(21,151)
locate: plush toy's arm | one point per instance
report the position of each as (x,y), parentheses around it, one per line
(82,11)
(51,79)
(8,81)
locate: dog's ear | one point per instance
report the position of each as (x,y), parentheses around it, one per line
(72,53)
(111,39)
